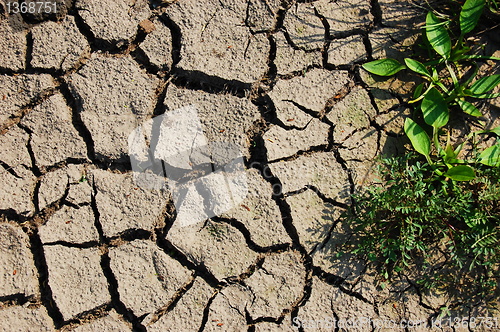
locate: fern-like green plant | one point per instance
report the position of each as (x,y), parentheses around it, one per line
(397,224)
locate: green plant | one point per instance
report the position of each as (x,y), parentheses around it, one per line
(493,5)
(400,223)
(440,93)
(446,204)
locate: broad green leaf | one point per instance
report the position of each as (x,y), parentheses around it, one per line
(490,156)
(417,67)
(469,108)
(470,14)
(459,148)
(449,153)
(418,91)
(383,67)
(484,84)
(461,173)
(438,36)
(418,137)
(435,75)
(435,109)
(495,130)
(418,94)
(486,96)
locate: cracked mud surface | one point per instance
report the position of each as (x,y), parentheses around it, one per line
(84,248)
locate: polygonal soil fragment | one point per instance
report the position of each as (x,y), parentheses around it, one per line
(123,205)
(329,308)
(305,29)
(282,143)
(19,91)
(361,145)
(76,279)
(398,301)
(14,150)
(277,285)
(352,113)
(406,308)
(320,170)
(211,188)
(392,42)
(187,313)
(383,91)
(18,184)
(102,18)
(158,45)
(312,218)
(223,117)
(13,43)
(79,193)
(216,42)
(53,186)
(332,258)
(259,213)
(311,91)
(228,309)
(387,91)
(45,10)
(344,16)
(51,124)
(402,14)
(57,45)
(70,225)
(285,326)
(218,246)
(111,322)
(289,59)
(114,95)
(25,319)
(17,271)
(346,51)
(364,173)
(393,121)
(390,145)
(147,277)
(262,14)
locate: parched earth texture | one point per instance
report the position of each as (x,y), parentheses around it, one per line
(83,247)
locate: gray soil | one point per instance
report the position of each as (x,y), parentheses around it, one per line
(83,247)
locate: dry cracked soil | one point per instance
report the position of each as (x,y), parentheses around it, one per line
(83,247)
